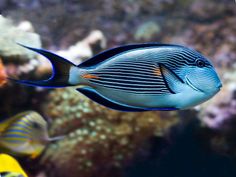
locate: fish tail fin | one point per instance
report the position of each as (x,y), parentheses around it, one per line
(10,164)
(61,70)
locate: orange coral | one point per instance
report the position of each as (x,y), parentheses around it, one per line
(3,75)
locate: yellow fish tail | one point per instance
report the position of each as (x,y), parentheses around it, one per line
(9,164)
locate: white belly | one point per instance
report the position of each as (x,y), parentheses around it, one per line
(186,98)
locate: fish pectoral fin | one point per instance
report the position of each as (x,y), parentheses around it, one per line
(95,96)
(34,155)
(173,82)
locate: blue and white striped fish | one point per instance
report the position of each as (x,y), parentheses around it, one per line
(138,77)
(24,134)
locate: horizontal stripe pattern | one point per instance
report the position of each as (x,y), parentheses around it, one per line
(18,133)
(21,131)
(136,73)
(173,59)
(132,77)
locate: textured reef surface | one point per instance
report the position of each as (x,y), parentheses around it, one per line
(17,34)
(98,140)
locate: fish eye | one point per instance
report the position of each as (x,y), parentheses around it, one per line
(200,63)
(36,125)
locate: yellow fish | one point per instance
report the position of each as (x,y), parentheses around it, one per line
(25,134)
(9,167)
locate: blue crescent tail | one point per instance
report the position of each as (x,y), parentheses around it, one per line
(60,74)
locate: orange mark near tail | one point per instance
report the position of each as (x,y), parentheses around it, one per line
(3,75)
(157,71)
(89,76)
(34,155)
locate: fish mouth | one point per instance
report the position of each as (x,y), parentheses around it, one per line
(191,85)
(219,86)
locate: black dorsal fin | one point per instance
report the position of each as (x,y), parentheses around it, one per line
(114,51)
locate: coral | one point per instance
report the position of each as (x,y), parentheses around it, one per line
(147,30)
(36,67)
(3,75)
(10,35)
(215,40)
(83,49)
(16,61)
(216,113)
(200,9)
(98,140)
(76,53)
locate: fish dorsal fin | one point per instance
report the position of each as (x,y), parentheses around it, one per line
(95,96)
(173,82)
(114,51)
(8,122)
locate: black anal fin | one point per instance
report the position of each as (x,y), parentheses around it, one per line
(95,96)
